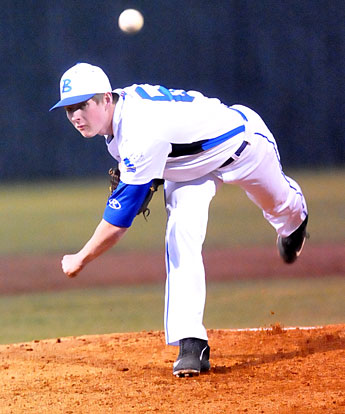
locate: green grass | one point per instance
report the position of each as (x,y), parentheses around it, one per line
(78,312)
(290,302)
(235,304)
(55,216)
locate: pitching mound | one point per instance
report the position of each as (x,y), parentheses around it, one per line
(267,371)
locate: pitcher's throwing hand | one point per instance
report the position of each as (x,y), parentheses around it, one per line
(71,265)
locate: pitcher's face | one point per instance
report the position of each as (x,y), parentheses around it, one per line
(89,118)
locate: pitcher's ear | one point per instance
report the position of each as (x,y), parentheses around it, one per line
(108,97)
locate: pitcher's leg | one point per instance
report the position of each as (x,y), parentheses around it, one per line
(279,196)
(281,200)
(258,171)
(187,207)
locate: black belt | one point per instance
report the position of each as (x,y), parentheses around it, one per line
(238,153)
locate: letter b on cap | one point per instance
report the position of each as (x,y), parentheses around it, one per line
(66,86)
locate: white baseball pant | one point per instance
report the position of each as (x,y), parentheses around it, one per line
(258,171)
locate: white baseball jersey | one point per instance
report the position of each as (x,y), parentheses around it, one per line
(172,134)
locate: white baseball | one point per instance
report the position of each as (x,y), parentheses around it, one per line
(131,21)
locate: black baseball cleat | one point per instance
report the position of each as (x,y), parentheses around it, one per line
(193,358)
(290,247)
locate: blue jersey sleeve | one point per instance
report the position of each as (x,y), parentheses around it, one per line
(124,204)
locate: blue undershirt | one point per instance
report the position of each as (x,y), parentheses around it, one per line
(124,203)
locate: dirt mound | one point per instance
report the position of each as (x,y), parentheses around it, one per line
(267,371)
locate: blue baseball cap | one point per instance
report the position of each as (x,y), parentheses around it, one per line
(80,83)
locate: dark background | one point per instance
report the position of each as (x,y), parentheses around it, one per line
(283,58)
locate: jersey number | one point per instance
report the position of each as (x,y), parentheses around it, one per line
(164,94)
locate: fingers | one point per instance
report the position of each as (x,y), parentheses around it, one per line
(71,274)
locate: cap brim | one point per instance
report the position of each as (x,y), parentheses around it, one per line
(72,100)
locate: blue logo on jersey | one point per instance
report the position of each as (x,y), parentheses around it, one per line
(164,94)
(114,204)
(130,167)
(66,86)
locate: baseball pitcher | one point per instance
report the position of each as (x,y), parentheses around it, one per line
(195,144)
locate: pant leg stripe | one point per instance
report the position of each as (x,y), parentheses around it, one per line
(281,168)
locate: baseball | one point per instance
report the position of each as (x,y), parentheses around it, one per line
(131,21)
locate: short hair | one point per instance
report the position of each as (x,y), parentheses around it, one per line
(99,97)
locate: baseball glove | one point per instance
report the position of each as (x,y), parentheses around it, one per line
(114,174)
